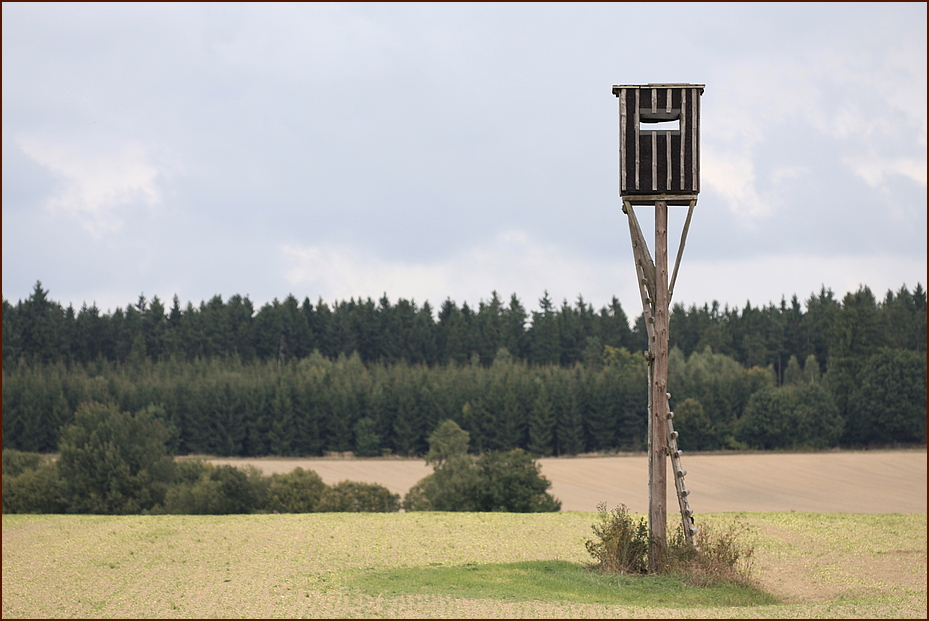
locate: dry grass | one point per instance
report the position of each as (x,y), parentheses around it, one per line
(723,555)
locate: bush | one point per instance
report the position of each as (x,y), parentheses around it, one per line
(17,462)
(295,492)
(214,490)
(718,556)
(36,490)
(354,496)
(623,542)
(417,499)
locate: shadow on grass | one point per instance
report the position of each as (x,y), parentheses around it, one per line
(552,581)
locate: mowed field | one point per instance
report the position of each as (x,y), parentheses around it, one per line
(828,482)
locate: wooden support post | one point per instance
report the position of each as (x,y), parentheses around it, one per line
(658,443)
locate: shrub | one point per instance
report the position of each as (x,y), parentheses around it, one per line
(721,555)
(16,462)
(354,496)
(295,492)
(718,556)
(417,499)
(216,490)
(622,545)
(36,490)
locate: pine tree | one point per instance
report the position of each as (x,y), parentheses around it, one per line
(544,339)
(515,338)
(541,422)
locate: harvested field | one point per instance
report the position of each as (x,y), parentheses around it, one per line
(831,482)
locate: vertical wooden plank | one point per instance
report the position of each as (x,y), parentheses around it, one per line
(622,141)
(654,161)
(683,134)
(694,137)
(668,160)
(657,488)
(637,121)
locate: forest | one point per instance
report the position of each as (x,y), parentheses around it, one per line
(376,379)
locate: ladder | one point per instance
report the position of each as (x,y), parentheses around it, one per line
(687,514)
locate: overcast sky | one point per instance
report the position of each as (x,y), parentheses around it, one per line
(433,151)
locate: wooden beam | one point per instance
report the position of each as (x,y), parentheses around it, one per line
(643,261)
(680,248)
(658,449)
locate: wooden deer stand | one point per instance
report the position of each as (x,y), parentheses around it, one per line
(659,167)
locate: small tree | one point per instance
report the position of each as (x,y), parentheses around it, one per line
(511,481)
(447,441)
(453,484)
(498,481)
(114,462)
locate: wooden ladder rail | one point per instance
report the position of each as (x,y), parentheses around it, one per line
(687,514)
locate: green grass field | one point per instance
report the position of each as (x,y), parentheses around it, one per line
(475,565)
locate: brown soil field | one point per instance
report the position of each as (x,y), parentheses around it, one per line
(891,481)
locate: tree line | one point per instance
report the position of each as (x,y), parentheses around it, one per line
(378,379)
(115,462)
(39,329)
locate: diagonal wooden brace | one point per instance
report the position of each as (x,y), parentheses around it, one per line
(644,267)
(680,248)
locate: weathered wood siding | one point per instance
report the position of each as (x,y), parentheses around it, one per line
(664,161)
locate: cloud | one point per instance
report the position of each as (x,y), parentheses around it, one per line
(732,175)
(511,263)
(765,279)
(874,170)
(514,263)
(97,188)
(869,103)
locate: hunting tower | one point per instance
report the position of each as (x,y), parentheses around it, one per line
(659,165)
(659,139)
